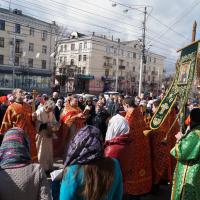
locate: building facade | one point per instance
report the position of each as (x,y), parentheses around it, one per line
(26,44)
(97,62)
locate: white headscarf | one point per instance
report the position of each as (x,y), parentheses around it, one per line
(117,126)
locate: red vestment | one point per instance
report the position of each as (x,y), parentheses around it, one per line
(20,115)
(139,179)
(67,120)
(163,163)
(118,148)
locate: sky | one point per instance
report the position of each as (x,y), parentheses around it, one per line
(168,24)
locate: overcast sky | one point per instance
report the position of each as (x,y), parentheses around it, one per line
(169,22)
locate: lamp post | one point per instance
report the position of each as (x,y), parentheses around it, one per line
(117,66)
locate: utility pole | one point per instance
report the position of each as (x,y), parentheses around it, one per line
(13,59)
(142,56)
(117,66)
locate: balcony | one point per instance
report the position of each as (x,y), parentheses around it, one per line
(107,65)
(122,67)
(19,51)
(107,78)
(121,78)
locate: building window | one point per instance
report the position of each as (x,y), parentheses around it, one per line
(127,64)
(79,57)
(80,45)
(154,60)
(107,49)
(31,47)
(44,64)
(84,57)
(17,28)
(114,61)
(16,61)
(144,70)
(2,25)
(44,35)
(85,45)
(115,51)
(72,62)
(106,72)
(30,62)
(44,49)
(32,31)
(83,70)
(61,48)
(1,59)
(1,42)
(122,52)
(72,46)
(65,47)
(149,59)
(134,55)
(149,78)
(79,70)
(133,68)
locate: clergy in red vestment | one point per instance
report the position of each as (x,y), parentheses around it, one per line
(139,179)
(19,114)
(163,163)
(72,121)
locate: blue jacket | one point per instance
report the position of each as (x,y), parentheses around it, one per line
(72,184)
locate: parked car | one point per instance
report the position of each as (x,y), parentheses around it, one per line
(106,94)
(86,96)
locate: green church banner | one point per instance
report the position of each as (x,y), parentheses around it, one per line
(180,86)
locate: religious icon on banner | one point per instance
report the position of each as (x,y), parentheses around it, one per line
(184,73)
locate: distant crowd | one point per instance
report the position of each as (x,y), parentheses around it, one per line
(102,142)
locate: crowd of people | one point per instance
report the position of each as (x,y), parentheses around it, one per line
(106,151)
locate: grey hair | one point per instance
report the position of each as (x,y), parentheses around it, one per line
(15,91)
(49,104)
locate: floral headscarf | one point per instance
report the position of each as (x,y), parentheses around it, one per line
(85,147)
(15,149)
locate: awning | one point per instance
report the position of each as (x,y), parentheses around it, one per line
(25,71)
(85,77)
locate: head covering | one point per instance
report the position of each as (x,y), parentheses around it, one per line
(3,99)
(117,126)
(195,115)
(143,103)
(85,147)
(14,150)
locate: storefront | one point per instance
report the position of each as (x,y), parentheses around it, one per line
(28,79)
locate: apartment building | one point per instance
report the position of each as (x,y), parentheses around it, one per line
(26,44)
(97,61)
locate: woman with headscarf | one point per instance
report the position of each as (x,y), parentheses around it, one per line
(44,138)
(186,180)
(118,142)
(88,174)
(20,179)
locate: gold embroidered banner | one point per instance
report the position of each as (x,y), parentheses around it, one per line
(180,86)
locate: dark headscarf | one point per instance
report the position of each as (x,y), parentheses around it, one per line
(14,150)
(194,118)
(85,147)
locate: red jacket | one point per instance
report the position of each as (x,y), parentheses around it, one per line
(118,148)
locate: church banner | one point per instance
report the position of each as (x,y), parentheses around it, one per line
(180,86)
